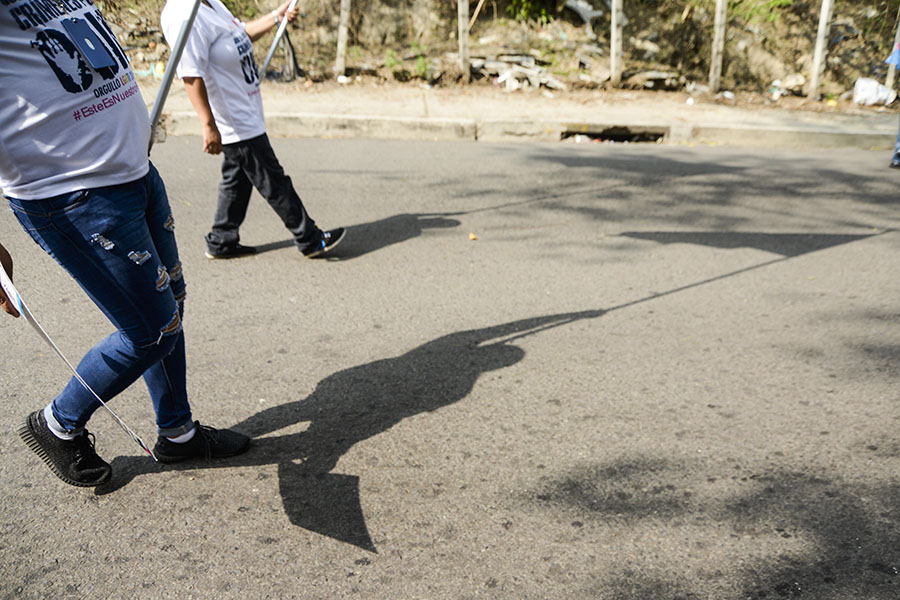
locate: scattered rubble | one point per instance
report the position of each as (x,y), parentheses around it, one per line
(516,71)
(656,80)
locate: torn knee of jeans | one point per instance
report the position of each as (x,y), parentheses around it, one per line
(102,241)
(173,326)
(162,280)
(175,272)
(139,258)
(169,225)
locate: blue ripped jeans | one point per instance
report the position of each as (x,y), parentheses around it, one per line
(118,243)
(897,147)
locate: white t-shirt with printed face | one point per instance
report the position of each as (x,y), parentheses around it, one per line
(219,51)
(64,125)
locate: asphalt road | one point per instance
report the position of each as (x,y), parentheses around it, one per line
(658,373)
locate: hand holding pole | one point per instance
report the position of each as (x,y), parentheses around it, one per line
(281,27)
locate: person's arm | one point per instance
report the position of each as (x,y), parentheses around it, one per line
(196,91)
(259,27)
(6,261)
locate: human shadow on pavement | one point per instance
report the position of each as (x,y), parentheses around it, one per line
(358,403)
(370,237)
(353,405)
(366,238)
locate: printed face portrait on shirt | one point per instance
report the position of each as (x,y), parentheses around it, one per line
(75,46)
(64,59)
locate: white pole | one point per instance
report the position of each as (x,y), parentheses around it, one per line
(718,46)
(615,39)
(280,32)
(169,73)
(462,17)
(340,65)
(821,47)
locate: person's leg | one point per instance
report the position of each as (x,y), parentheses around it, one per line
(262,168)
(167,379)
(231,205)
(102,238)
(895,159)
(118,243)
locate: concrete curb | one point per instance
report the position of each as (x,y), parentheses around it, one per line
(793,138)
(465,129)
(342,126)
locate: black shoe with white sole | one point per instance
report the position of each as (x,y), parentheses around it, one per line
(207,443)
(74,461)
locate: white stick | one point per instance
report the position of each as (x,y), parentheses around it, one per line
(821,49)
(462,28)
(718,46)
(169,74)
(281,27)
(340,59)
(13,294)
(615,43)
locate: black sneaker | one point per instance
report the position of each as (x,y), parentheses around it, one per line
(326,243)
(206,443)
(895,163)
(236,251)
(75,461)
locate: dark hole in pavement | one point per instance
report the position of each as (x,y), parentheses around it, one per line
(618,134)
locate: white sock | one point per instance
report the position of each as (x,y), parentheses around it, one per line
(54,426)
(184,437)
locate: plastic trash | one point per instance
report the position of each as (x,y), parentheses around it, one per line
(868,91)
(776,89)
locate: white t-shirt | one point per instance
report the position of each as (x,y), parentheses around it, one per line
(65,126)
(219,50)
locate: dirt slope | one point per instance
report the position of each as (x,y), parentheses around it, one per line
(667,46)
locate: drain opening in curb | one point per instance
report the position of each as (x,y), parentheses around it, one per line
(616,134)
